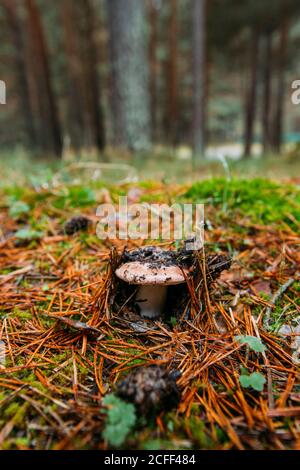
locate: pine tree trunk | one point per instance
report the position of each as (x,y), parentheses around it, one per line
(267,89)
(251,95)
(171,75)
(130,87)
(13,21)
(91,79)
(153,67)
(74,67)
(49,127)
(280,88)
(85,113)
(198,126)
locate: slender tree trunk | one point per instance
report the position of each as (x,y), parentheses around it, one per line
(85,113)
(91,78)
(13,21)
(49,128)
(153,66)
(267,89)
(251,95)
(74,67)
(172,88)
(280,88)
(130,87)
(198,126)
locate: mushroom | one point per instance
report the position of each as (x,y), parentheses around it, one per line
(153,271)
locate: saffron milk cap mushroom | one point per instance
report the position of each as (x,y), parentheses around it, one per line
(153,276)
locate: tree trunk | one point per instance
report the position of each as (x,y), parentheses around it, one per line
(198,126)
(49,128)
(280,88)
(267,89)
(91,80)
(85,113)
(251,95)
(74,67)
(130,88)
(14,24)
(153,67)
(171,75)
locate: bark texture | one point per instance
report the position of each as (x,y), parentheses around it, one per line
(128,52)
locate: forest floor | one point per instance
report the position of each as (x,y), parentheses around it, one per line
(163,164)
(239,359)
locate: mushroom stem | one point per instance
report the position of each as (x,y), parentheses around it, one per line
(151,300)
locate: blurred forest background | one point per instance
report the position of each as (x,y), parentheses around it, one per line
(107,78)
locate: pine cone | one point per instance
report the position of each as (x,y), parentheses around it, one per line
(76,224)
(150,389)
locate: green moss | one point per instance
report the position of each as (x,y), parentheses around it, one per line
(11,409)
(21,314)
(75,196)
(16,411)
(221,435)
(161,444)
(263,201)
(5,271)
(199,434)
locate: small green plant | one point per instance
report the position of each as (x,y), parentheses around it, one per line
(28,234)
(18,208)
(75,196)
(253,342)
(255,380)
(120,420)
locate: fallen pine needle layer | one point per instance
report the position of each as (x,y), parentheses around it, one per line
(66,347)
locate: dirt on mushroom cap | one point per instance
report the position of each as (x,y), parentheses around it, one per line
(153,255)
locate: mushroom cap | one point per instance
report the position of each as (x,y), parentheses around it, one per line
(136,272)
